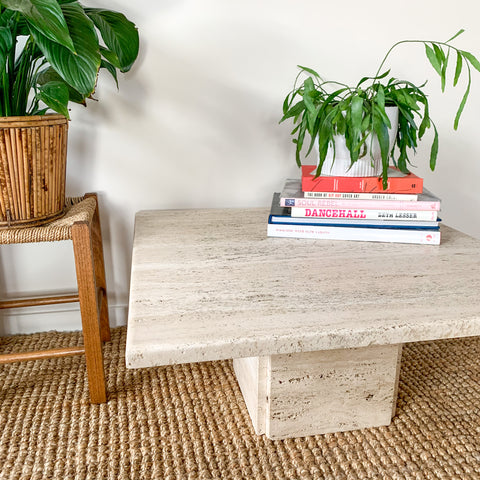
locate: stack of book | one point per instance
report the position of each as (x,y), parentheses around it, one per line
(356,208)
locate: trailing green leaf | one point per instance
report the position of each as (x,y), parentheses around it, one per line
(473,60)
(433,59)
(439,53)
(309,87)
(455,36)
(434,150)
(444,72)
(381,131)
(356,110)
(377,77)
(294,111)
(310,71)
(300,138)
(462,104)
(458,68)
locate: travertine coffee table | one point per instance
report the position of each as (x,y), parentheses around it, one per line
(315,327)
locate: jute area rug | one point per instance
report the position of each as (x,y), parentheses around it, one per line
(190,422)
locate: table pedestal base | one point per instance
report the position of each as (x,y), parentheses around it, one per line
(301,394)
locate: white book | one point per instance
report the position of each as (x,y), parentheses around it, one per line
(417,236)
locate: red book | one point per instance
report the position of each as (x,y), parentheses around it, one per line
(398,182)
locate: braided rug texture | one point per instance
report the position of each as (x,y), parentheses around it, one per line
(190,422)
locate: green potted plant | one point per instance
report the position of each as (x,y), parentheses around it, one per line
(51,52)
(378,119)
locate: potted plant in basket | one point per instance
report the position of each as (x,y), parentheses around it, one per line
(50,54)
(362,126)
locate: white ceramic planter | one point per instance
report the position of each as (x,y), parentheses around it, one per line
(369,165)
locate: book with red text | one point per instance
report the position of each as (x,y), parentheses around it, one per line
(292,196)
(398,183)
(363,218)
(282,224)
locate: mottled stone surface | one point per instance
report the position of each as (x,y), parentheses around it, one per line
(331,391)
(253,378)
(310,393)
(209,284)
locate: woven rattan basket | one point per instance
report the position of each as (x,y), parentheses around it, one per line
(33,154)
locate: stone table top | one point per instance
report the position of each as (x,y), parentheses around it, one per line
(209,285)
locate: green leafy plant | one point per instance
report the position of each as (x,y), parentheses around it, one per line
(51,52)
(324,109)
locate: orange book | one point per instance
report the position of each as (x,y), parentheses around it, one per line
(398,182)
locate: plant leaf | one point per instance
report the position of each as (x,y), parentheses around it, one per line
(458,68)
(111,69)
(325,136)
(6,39)
(444,72)
(455,36)
(434,150)
(300,138)
(462,105)
(3,62)
(356,117)
(309,87)
(378,77)
(50,75)
(380,98)
(78,70)
(55,96)
(439,53)
(381,130)
(472,60)
(426,118)
(287,102)
(6,43)
(119,34)
(433,59)
(46,17)
(311,71)
(294,111)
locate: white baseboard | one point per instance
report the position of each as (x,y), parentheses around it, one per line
(63,318)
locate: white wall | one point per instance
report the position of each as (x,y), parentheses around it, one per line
(195,123)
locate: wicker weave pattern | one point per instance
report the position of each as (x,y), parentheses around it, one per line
(77,210)
(189,422)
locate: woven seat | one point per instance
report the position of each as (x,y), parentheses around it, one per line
(81,225)
(80,209)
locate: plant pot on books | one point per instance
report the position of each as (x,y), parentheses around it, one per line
(338,160)
(33,153)
(322,109)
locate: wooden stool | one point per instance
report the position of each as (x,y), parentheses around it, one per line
(81,225)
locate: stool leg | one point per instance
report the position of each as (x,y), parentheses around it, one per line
(83,251)
(99,263)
